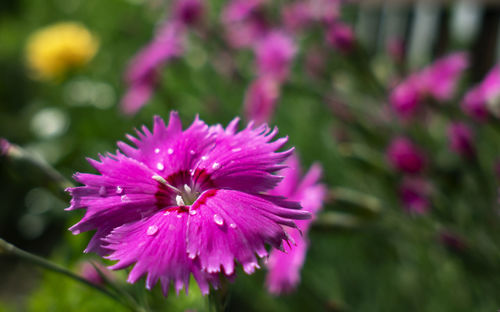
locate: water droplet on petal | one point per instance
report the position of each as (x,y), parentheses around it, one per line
(119,190)
(102,191)
(152,229)
(215,166)
(218,219)
(235,150)
(192,152)
(170,151)
(192,212)
(232,225)
(179,216)
(166,213)
(157,150)
(160,166)
(204,157)
(125,199)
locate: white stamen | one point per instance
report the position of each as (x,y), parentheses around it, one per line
(179,200)
(187,188)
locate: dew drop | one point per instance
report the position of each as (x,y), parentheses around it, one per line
(170,151)
(125,198)
(157,151)
(160,166)
(192,212)
(102,191)
(204,157)
(232,225)
(192,152)
(235,150)
(152,230)
(119,190)
(218,219)
(215,166)
(179,216)
(166,213)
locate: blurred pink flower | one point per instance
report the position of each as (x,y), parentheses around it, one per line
(461,139)
(274,54)
(404,156)
(296,16)
(414,194)
(142,70)
(475,102)
(261,98)
(238,10)
(284,266)
(341,36)
(4,146)
(188,12)
(405,98)
(243,23)
(440,78)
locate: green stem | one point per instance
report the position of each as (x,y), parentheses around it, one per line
(9,249)
(37,170)
(368,203)
(219,299)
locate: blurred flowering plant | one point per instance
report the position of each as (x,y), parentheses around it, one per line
(401,195)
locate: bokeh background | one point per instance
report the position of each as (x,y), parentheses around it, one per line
(368,252)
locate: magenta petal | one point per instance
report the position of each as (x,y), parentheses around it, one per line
(245,160)
(168,149)
(284,267)
(157,246)
(261,98)
(440,78)
(231,225)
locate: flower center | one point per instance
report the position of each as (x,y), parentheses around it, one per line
(186,196)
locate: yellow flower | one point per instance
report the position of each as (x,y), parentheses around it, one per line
(54,50)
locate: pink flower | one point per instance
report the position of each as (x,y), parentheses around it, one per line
(284,266)
(4,146)
(238,10)
(296,16)
(439,79)
(404,156)
(461,139)
(414,194)
(475,102)
(405,98)
(243,22)
(341,36)
(185,202)
(260,99)
(141,73)
(188,12)
(274,55)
